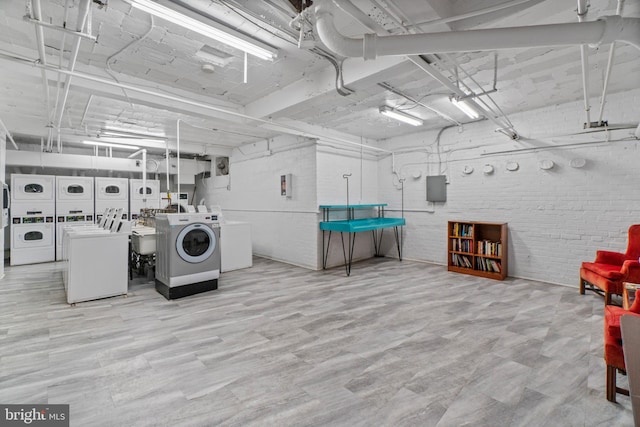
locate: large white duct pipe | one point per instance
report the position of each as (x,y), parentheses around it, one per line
(604,30)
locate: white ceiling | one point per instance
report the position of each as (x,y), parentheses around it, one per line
(166,80)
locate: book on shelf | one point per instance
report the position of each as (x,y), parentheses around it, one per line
(486,247)
(462,230)
(461,261)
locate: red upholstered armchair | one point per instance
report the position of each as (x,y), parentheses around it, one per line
(613,345)
(610,269)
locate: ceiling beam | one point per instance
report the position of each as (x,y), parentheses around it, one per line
(357,74)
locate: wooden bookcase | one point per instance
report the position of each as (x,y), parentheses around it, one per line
(477,248)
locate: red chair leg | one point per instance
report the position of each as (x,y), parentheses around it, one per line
(581,286)
(611,383)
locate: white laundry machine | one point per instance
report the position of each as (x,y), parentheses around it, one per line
(74,205)
(111,193)
(180,202)
(32,231)
(187,254)
(137,195)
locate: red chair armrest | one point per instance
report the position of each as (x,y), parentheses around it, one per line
(607,257)
(631,271)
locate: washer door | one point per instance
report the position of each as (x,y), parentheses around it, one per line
(196,242)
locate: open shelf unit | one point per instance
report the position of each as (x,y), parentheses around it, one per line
(477,248)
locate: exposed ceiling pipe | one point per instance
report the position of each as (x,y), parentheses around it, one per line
(37,14)
(178,157)
(83,13)
(604,30)
(417,102)
(502,127)
(6,131)
(612,50)
(582,10)
(348,7)
(292,130)
(59,80)
(144,173)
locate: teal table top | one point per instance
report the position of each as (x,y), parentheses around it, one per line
(357,225)
(365,206)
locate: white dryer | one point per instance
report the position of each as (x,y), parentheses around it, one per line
(187,254)
(74,205)
(111,193)
(32,231)
(137,195)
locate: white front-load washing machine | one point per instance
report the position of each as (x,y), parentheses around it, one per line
(187,253)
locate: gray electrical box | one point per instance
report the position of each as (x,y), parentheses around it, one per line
(437,188)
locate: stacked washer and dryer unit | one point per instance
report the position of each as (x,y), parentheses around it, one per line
(74,205)
(112,193)
(187,253)
(32,219)
(138,194)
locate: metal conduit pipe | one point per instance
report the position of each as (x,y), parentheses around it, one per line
(178,158)
(604,30)
(584,56)
(83,13)
(612,50)
(6,131)
(144,173)
(348,7)
(292,130)
(37,12)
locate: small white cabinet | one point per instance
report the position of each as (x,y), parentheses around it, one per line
(235,245)
(97,266)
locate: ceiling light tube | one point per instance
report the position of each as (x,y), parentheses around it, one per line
(465,108)
(385,110)
(195,22)
(106,144)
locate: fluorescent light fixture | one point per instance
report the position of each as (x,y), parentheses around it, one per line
(193,21)
(465,108)
(385,110)
(106,144)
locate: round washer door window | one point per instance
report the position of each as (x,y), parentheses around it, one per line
(196,243)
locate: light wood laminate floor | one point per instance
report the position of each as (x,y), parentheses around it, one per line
(394,344)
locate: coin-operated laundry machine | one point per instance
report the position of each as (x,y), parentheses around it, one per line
(138,194)
(187,254)
(74,205)
(32,231)
(111,193)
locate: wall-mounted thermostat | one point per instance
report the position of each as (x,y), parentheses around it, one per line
(285,186)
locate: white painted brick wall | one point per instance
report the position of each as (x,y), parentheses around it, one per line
(332,190)
(283,229)
(557,218)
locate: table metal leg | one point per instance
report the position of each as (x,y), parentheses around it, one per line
(395,230)
(377,241)
(351,243)
(325,254)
